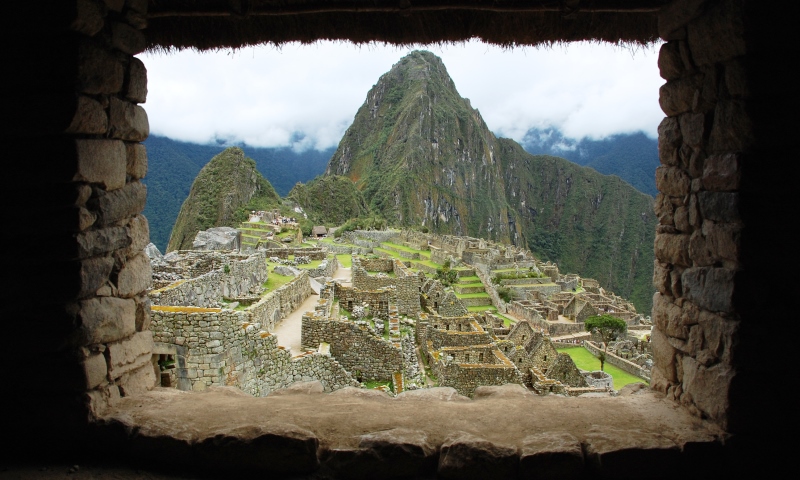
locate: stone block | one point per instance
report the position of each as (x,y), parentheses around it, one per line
(672,248)
(672,181)
(93,273)
(682,219)
(719,206)
(120,204)
(100,161)
(142,313)
(732,130)
(708,387)
(722,240)
(128,121)
(669,140)
(99,70)
(722,173)
(663,355)
(130,354)
(135,276)
(661,277)
(718,34)
(138,232)
(276,448)
(710,288)
(676,96)
(692,128)
(718,334)
(551,455)
(88,18)
(397,453)
(136,165)
(90,117)
(622,453)
(106,319)
(127,39)
(138,381)
(670,64)
(95,370)
(101,241)
(663,209)
(667,317)
(675,16)
(136,90)
(466,456)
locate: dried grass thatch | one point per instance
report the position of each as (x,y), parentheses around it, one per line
(214,24)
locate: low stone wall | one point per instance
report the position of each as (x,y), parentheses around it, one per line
(378,299)
(618,362)
(221,347)
(353,346)
(284,253)
(466,378)
(484,274)
(546,289)
(202,291)
(377,235)
(524,281)
(327,268)
(439,338)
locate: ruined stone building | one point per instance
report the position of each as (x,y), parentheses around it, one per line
(76,293)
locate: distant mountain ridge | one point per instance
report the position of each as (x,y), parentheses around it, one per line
(423,157)
(632,157)
(173,166)
(224,192)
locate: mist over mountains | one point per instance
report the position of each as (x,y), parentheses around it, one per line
(631,156)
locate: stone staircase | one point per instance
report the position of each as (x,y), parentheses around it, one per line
(394,326)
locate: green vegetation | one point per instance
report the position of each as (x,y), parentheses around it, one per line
(608,327)
(586,361)
(345,260)
(223,194)
(172,166)
(426,157)
(446,275)
(329,200)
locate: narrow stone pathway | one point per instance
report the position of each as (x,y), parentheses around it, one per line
(289,329)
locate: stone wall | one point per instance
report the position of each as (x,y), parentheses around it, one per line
(355,347)
(465,378)
(618,362)
(284,253)
(405,282)
(74,179)
(327,268)
(378,300)
(202,291)
(720,206)
(221,347)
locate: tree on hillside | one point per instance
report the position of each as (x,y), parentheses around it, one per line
(608,327)
(446,274)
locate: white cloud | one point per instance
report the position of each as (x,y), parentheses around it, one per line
(306,96)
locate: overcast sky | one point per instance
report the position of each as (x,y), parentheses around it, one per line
(307,95)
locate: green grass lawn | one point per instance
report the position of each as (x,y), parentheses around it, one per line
(275,281)
(586,361)
(473,295)
(470,285)
(483,308)
(345,260)
(471,279)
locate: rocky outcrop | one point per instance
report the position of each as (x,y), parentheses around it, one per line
(217,238)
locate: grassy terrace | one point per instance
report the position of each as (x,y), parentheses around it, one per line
(473,295)
(422,253)
(586,361)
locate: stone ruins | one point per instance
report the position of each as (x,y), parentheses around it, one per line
(212,322)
